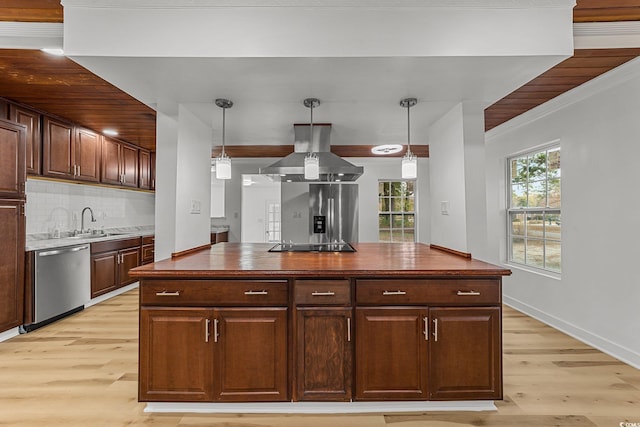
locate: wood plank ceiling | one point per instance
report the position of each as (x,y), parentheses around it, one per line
(61,87)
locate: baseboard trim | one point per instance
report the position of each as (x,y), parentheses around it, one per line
(111,294)
(6,335)
(321,407)
(621,353)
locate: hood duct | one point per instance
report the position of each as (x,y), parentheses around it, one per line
(332,168)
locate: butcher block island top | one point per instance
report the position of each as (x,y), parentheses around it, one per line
(390,327)
(379,259)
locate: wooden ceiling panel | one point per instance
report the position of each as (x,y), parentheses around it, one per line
(252,151)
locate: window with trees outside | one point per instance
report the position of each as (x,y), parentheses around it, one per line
(396,211)
(534,209)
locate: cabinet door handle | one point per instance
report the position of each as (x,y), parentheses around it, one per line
(78,173)
(349,329)
(323,294)
(468,293)
(387,293)
(262,292)
(206,329)
(426,328)
(435,330)
(215,330)
(168,294)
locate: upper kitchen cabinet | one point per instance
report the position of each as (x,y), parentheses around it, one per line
(144,158)
(153,170)
(31,119)
(57,148)
(119,163)
(70,152)
(4,109)
(12,160)
(87,155)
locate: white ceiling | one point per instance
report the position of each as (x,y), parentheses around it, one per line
(359,94)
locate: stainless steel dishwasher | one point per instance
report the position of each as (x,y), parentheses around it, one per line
(62,283)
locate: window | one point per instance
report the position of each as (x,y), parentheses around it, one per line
(534,209)
(396,211)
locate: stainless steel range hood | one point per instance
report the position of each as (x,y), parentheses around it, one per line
(332,168)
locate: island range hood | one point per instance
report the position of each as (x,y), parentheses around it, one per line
(332,168)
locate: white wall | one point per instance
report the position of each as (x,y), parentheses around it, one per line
(59,204)
(597,297)
(254,207)
(374,169)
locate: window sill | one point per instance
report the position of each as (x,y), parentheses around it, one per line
(529,269)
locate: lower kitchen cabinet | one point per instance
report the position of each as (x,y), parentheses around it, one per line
(324,354)
(177,361)
(207,354)
(465,351)
(12,230)
(148,249)
(110,264)
(391,353)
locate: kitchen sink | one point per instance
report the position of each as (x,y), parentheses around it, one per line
(96,236)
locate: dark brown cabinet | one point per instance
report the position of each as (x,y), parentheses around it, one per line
(144,168)
(176,354)
(250,354)
(323,345)
(235,351)
(148,249)
(465,353)
(392,353)
(31,119)
(4,109)
(12,223)
(110,264)
(153,170)
(119,163)
(86,155)
(57,148)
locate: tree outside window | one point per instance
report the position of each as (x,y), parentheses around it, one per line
(396,211)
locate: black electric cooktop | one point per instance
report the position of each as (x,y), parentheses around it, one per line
(313,247)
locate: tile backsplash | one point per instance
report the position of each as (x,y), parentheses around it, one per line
(57,205)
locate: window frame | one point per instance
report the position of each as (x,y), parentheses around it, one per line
(391,212)
(545,211)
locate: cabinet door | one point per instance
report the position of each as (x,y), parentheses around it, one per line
(323,354)
(153,171)
(57,148)
(31,120)
(12,164)
(11,263)
(251,354)
(129,258)
(111,154)
(4,109)
(87,155)
(129,166)
(176,355)
(104,273)
(465,353)
(391,353)
(144,166)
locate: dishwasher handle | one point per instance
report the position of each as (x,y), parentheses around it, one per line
(62,251)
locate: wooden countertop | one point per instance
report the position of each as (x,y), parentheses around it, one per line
(371,259)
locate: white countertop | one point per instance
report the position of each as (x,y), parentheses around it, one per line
(42,241)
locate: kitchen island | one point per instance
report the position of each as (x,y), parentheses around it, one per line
(391,323)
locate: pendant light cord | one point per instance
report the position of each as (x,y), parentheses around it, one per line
(408,129)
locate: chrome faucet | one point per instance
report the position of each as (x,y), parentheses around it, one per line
(82,218)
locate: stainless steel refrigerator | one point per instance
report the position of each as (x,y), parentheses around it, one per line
(333,213)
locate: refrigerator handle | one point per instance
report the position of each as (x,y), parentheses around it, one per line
(330,214)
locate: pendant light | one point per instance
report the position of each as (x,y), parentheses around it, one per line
(311,161)
(223,162)
(409,161)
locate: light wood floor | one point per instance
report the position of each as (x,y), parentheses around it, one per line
(82,371)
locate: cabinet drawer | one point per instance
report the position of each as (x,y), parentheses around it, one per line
(322,292)
(148,240)
(203,293)
(428,291)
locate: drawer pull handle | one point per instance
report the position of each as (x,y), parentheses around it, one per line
(468,293)
(206,330)
(348,329)
(216,333)
(386,293)
(435,329)
(263,292)
(168,294)
(323,294)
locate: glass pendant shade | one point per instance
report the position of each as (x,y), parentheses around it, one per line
(409,166)
(311,167)
(223,167)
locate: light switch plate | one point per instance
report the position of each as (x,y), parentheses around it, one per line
(195,206)
(444,208)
